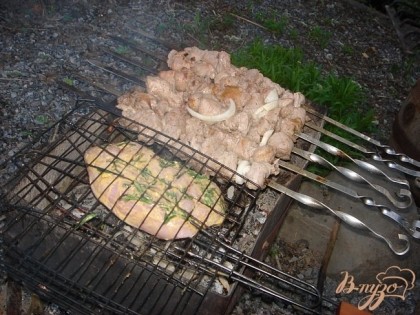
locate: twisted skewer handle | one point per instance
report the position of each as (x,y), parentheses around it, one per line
(385,148)
(412,228)
(403,194)
(345,217)
(362,164)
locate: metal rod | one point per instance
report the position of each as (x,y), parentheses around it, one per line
(249,282)
(240,259)
(118,73)
(353,176)
(327,255)
(338,138)
(128,60)
(362,164)
(137,47)
(345,217)
(245,260)
(413,229)
(374,155)
(387,149)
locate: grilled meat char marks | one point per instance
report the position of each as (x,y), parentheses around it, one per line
(160,197)
(205,82)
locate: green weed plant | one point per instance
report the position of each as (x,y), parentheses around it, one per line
(275,24)
(320,36)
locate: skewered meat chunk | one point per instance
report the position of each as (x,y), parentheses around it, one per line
(163,89)
(193,56)
(204,69)
(174,123)
(233,92)
(265,153)
(240,122)
(177,60)
(282,144)
(168,76)
(234,115)
(157,196)
(182,79)
(259,172)
(206,104)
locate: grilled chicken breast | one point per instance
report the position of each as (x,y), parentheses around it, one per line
(160,197)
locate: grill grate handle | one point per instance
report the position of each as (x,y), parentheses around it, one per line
(271,281)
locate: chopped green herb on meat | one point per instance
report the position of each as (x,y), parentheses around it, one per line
(141,188)
(196,175)
(209,197)
(145,173)
(135,197)
(171,195)
(164,163)
(118,164)
(139,159)
(168,200)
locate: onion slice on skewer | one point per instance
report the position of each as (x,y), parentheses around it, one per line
(215,118)
(271,96)
(263,110)
(266,136)
(243,167)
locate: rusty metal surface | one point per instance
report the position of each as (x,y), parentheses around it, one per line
(406,130)
(405,16)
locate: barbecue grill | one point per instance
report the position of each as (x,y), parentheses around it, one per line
(68,248)
(59,248)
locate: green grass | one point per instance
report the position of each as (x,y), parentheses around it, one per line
(286,66)
(407,68)
(294,34)
(41,119)
(199,28)
(320,36)
(221,23)
(347,49)
(275,24)
(68,81)
(122,49)
(202,26)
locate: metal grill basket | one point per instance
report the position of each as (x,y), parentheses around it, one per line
(67,247)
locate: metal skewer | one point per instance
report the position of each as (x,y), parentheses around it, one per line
(352,175)
(385,148)
(413,229)
(362,164)
(374,155)
(347,218)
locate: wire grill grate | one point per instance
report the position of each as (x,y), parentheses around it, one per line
(68,247)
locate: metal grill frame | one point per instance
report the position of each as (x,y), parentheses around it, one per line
(162,296)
